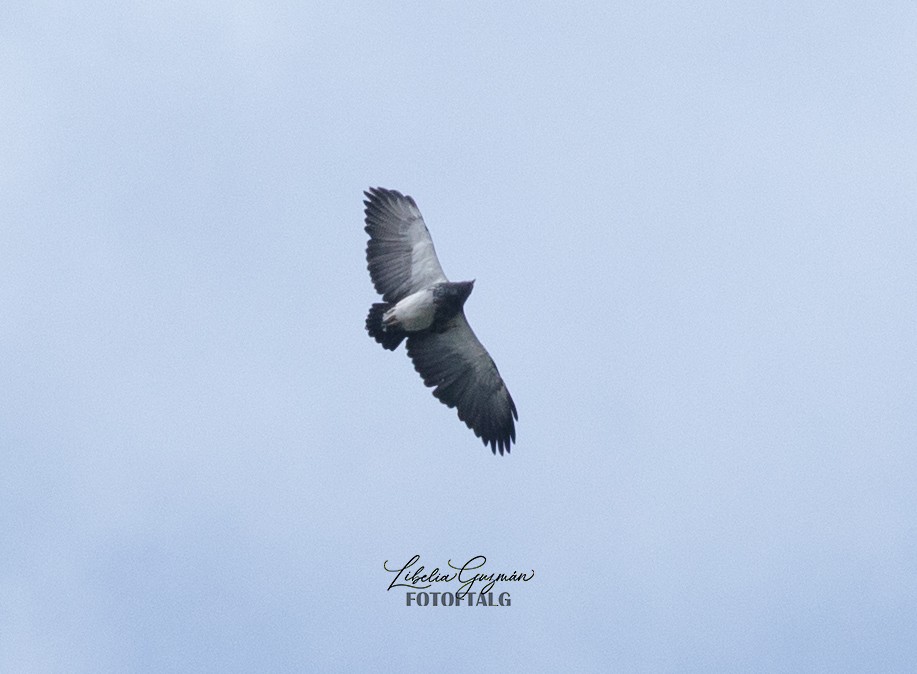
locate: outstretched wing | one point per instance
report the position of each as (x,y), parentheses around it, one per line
(400,253)
(463,375)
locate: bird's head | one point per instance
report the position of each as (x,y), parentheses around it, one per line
(454,294)
(464,289)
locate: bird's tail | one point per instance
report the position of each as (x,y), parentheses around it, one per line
(388,337)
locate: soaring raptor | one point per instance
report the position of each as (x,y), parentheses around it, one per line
(422,305)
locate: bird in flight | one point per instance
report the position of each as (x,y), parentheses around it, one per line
(421,305)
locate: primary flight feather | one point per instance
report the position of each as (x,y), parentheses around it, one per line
(423,306)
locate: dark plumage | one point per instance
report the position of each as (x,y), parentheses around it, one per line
(423,306)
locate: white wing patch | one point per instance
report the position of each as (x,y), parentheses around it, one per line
(424,264)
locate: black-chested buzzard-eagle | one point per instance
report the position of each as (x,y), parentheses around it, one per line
(422,305)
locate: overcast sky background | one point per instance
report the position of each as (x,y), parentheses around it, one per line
(694,233)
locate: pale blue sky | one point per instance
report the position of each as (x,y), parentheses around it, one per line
(694,231)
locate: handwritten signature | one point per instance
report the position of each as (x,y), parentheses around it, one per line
(419,579)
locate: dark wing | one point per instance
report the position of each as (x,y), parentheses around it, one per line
(464,376)
(400,253)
